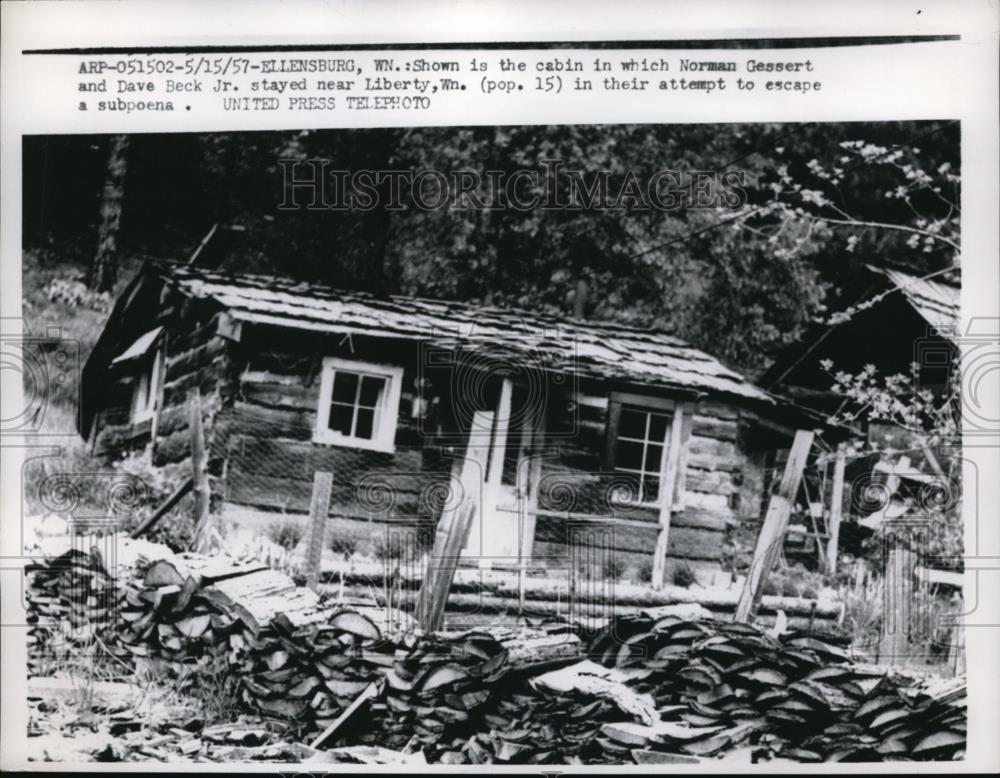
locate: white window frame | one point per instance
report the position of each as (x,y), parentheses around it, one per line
(151,377)
(386,417)
(628,402)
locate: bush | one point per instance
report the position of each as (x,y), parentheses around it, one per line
(614,568)
(343,544)
(286,534)
(683,575)
(386,549)
(645,572)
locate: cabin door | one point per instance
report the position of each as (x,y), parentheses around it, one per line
(494,537)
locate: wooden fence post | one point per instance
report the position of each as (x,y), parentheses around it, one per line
(898,612)
(668,487)
(836,510)
(201,541)
(319,509)
(772,533)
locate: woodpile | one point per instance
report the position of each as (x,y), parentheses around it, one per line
(440,687)
(667,685)
(310,674)
(168,620)
(72,603)
(795,696)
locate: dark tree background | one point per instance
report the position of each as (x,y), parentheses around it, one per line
(738,283)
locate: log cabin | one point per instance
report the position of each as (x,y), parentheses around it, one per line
(577,433)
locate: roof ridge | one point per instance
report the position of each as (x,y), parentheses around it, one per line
(328,291)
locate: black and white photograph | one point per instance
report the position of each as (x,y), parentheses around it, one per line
(504,445)
(380,443)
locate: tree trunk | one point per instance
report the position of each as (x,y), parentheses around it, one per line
(104,271)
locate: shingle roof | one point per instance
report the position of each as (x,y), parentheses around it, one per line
(936,302)
(588,348)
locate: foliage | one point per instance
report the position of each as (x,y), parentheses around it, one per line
(386,548)
(900,400)
(930,421)
(683,575)
(794,581)
(819,196)
(614,568)
(286,534)
(343,544)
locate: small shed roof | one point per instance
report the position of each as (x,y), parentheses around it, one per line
(595,349)
(140,347)
(938,303)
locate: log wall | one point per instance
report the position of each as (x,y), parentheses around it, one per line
(260,392)
(721,485)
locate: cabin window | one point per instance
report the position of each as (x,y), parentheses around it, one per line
(145,389)
(638,449)
(358,404)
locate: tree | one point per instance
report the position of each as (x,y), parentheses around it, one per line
(104,271)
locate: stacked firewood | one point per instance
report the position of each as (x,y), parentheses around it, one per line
(168,620)
(72,603)
(311,673)
(795,695)
(441,686)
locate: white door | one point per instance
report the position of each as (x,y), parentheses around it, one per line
(493,538)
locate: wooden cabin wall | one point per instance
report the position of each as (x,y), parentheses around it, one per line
(721,484)
(197,353)
(271,457)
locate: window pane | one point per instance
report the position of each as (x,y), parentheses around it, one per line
(345,387)
(625,490)
(658,427)
(629,455)
(371,390)
(632,423)
(650,488)
(654,456)
(341,417)
(366,423)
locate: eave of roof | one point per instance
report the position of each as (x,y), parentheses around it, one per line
(939,304)
(602,350)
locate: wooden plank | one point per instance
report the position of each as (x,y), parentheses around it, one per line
(683,463)
(772,533)
(201,540)
(668,485)
(442,566)
(319,508)
(529,471)
(900,563)
(370,692)
(836,509)
(498,447)
(614,414)
(165,506)
(453,530)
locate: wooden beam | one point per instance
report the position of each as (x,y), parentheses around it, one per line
(614,415)
(898,610)
(319,509)
(498,446)
(201,542)
(772,533)
(453,529)
(836,509)
(529,472)
(165,506)
(673,441)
